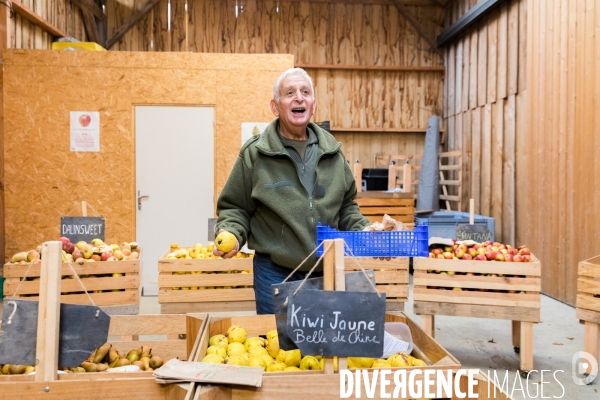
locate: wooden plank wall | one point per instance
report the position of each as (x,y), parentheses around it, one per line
(559,194)
(44,180)
(63,14)
(485,108)
(317,32)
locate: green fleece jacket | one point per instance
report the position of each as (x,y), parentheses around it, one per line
(264,202)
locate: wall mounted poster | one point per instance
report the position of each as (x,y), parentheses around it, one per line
(250,129)
(85,131)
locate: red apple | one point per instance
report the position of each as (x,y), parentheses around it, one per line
(527,258)
(525,251)
(512,251)
(134,256)
(476,246)
(490,255)
(95,257)
(84,120)
(126,252)
(448,255)
(499,257)
(459,253)
(517,258)
(70,248)
(106,255)
(440,256)
(508,257)
(437,251)
(467,257)
(473,252)
(480,257)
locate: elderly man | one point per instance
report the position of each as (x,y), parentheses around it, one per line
(284,182)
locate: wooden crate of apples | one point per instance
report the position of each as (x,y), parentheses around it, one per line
(488,273)
(109,273)
(193,279)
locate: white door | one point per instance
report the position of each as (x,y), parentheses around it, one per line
(174,181)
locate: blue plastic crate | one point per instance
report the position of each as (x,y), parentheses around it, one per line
(443,223)
(379,244)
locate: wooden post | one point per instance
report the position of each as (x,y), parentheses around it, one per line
(516,334)
(84,208)
(428,324)
(392,176)
(407,178)
(328,284)
(472,211)
(46,362)
(590,340)
(340,284)
(526,346)
(358,175)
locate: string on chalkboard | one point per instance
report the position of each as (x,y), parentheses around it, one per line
(361,268)
(313,268)
(93,209)
(302,263)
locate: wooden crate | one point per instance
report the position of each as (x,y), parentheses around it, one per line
(400,206)
(588,303)
(522,278)
(115,294)
(214,273)
(169,336)
(514,296)
(391,277)
(314,384)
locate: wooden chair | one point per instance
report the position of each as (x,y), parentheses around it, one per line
(450,164)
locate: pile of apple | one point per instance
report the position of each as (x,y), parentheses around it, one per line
(486,251)
(201,252)
(82,252)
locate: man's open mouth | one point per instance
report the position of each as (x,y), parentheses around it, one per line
(298,110)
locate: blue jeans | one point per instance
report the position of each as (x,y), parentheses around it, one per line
(267,273)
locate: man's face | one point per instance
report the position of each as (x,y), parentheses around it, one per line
(296,104)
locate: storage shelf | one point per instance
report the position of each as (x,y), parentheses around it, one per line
(379,130)
(395,68)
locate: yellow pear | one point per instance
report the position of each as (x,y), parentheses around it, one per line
(268,359)
(359,362)
(217,350)
(418,363)
(399,360)
(291,358)
(257,351)
(381,363)
(218,340)
(236,334)
(309,363)
(291,369)
(213,359)
(276,366)
(235,349)
(236,360)
(257,362)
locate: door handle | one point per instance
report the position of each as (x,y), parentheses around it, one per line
(139,199)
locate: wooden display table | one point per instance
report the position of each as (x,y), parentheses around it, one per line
(400,206)
(588,304)
(489,289)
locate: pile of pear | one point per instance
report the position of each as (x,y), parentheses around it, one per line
(198,252)
(107,356)
(16,369)
(201,252)
(236,348)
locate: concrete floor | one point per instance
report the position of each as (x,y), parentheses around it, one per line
(486,344)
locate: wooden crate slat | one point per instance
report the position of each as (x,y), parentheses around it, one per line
(183,296)
(588,315)
(481,298)
(400,263)
(100,299)
(590,267)
(235,264)
(386,210)
(146,325)
(478,282)
(168,280)
(588,302)
(366,202)
(477,311)
(485,267)
(73,285)
(586,285)
(102,267)
(407,220)
(394,291)
(207,306)
(449,198)
(391,277)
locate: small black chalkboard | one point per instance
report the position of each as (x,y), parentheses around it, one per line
(476,232)
(83,329)
(330,323)
(82,228)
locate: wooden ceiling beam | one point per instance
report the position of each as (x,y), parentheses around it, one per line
(91,7)
(130,22)
(91,28)
(403,10)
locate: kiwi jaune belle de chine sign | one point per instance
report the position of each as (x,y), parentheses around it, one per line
(329,323)
(82,228)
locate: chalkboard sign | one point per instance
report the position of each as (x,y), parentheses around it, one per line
(83,328)
(329,323)
(355,282)
(82,228)
(476,232)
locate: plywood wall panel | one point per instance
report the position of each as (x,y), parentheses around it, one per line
(44,180)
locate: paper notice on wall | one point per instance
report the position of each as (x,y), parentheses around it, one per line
(85,131)
(250,129)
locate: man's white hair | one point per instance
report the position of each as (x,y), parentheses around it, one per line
(292,71)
